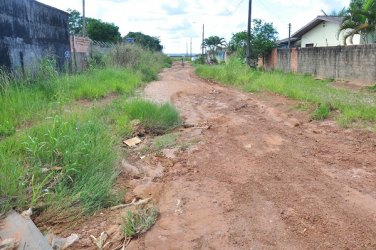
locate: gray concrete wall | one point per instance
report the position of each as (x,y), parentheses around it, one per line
(30,30)
(283,62)
(354,63)
(357,63)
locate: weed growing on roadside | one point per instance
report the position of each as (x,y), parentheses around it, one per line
(133,57)
(352,106)
(65,162)
(69,161)
(165,141)
(189,143)
(155,118)
(140,221)
(373,88)
(321,112)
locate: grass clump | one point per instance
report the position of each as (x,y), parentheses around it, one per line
(62,163)
(372,88)
(321,112)
(165,141)
(155,118)
(124,115)
(139,222)
(352,106)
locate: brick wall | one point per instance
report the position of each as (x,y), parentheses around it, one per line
(355,63)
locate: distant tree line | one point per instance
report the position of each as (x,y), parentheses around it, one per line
(98,30)
(263,40)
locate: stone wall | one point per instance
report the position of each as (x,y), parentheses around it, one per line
(354,63)
(30,30)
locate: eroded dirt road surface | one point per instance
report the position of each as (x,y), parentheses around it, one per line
(261,176)
(251,172)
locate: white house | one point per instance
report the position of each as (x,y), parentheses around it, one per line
(320,32)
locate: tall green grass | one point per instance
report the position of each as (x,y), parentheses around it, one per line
(66,162)
(353,106)
(149,63)
(124,114)
(23,100)
(155,118)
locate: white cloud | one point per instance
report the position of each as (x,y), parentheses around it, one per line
(175,22)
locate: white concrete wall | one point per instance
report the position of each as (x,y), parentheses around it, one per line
(325,34)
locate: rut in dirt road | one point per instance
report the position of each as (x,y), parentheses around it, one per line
(262,175)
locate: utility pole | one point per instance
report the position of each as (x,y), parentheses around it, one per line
(289,45)
(289,35)
(203,38)
(249,33)
(83,19)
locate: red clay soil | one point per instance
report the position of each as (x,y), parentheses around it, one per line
(262,176)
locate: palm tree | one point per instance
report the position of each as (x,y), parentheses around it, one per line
(213,43)
(360,19)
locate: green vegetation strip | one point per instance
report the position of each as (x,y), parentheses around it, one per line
(353,106)
(64,163)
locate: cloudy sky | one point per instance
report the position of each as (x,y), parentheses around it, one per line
(176,22)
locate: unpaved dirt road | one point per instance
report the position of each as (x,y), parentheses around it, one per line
(262,176)
(255,174)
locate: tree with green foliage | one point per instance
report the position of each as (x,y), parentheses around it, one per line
(360,19)
(102,31)
(213,43)
(96,29)
(74,22)
(238,44)
(146,41)
(263,40)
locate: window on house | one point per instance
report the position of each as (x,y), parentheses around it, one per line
(309,45)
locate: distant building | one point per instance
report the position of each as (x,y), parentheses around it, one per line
(320,32)
(28,31)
